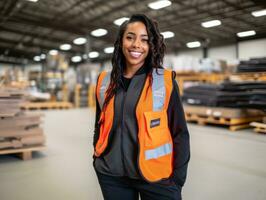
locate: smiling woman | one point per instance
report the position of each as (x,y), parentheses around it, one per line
(141,140)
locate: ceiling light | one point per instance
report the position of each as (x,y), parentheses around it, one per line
(99,32)
(80,41)
(76,59)
(246,33)
(43,56)
(167,34)
(53,52)
(156,5)
(37,58)
(120,21)
(259,13)
(33,0)
(211,23)
(109,50)
(93,54)
(193,44)
(65,47)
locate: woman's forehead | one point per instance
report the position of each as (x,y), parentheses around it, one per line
(136,28)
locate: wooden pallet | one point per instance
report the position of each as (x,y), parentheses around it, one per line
(46,105)
(258,76)
(259,127)
(24,153)
(221,111)
(233,123)
(264,120)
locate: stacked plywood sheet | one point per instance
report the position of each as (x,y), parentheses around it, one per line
(252,65)
(18,129)
(234,118)
(245,94)
(10,100)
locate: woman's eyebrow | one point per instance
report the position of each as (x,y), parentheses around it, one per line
(132,33)
(144,35)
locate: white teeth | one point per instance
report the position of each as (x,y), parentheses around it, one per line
(135,54)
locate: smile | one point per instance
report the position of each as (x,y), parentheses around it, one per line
(135,54)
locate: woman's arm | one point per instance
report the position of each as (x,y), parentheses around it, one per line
(96,125)
(97,117)
(180,135)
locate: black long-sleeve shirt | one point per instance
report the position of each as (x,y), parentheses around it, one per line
(113,162)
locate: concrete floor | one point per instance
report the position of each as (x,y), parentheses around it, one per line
(224,165)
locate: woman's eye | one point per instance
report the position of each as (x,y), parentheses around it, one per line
(145,40)
(129,37)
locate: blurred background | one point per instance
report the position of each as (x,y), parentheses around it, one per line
(51,52)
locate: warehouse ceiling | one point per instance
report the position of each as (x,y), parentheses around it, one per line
(30,28)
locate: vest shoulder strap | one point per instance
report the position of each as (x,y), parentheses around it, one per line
(161,88)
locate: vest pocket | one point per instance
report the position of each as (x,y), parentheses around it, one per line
(158,132)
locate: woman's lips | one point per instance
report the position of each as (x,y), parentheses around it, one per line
(135,54)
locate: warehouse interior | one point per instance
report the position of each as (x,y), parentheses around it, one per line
(51,53)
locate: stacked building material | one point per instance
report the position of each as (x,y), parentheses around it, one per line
(17,128)
(82,93)
(222,112)
(259,127)
(234,118)
(252,65)
(84,96)
(10,100)
(246,94)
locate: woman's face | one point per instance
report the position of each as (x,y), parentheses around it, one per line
(135,44)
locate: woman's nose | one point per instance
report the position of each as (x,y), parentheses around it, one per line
(136,44)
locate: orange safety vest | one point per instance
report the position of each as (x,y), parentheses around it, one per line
(155,158)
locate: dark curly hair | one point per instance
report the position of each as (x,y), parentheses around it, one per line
(154,58)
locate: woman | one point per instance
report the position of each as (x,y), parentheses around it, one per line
(141,139)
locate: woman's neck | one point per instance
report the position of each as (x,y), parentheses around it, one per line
(130,70)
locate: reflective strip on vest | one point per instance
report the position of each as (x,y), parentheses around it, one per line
(158,89)
(104,87)
(158,152)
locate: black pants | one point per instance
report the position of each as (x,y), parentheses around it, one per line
(123,188)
